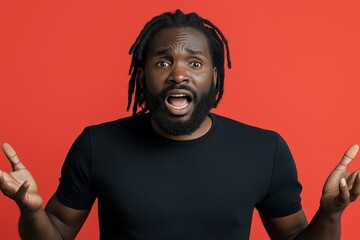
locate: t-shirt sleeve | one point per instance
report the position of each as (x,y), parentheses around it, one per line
(283,196)
(75,189)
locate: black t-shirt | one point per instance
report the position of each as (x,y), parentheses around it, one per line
(150,187)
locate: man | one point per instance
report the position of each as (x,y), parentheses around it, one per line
(174,170)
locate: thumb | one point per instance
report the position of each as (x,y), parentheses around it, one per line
(20,194)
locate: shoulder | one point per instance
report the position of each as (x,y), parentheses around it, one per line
(122,129)
(126,124)
(245,131)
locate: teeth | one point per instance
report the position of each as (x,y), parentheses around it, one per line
(179,108)
(178,95)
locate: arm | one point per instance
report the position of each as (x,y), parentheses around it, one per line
(295,226)
(339,190)
(55,222)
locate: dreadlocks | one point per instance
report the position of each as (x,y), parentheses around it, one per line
(138,50)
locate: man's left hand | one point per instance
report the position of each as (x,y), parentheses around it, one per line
(341,187)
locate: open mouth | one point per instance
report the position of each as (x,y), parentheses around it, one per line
(178,102)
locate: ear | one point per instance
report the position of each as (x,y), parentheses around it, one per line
(140,77)
(215,76)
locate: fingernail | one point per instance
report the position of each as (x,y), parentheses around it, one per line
(343,182)
(26,184)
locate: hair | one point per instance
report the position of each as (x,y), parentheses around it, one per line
(138,50)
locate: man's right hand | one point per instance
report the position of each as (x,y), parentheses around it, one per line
(55,222)
(19,184)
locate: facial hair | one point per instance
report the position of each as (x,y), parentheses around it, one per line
(169,124)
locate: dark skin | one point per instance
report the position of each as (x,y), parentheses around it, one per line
(181,56)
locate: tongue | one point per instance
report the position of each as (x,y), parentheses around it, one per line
(177,101)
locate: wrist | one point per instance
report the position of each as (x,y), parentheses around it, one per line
(30,214)
(329,216)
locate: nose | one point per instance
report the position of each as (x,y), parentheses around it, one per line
(179,74)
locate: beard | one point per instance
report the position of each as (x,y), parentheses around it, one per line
(173,125)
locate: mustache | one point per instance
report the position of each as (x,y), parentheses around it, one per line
(163,92)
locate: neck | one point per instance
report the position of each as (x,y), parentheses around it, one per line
(202,130)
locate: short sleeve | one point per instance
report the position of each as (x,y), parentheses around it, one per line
(283,196)
(75,188)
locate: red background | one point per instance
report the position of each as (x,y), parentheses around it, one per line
(64,64)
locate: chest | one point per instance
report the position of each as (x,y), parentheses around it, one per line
(181,185)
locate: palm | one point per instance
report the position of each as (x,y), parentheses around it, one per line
(11,182)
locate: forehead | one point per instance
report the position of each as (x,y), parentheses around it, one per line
(179,38)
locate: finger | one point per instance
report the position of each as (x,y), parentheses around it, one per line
(5,188)
(355,190)
(344,194)
(21,193)
(347,158)
(10,153)
(351,178)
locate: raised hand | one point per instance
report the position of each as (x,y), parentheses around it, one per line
(19,184)
(341,187)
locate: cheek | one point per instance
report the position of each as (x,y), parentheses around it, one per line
(153,83)
(153,87)
(203,81)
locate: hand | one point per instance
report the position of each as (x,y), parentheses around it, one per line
(341,187)
(19,185)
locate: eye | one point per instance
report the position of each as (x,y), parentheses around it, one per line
(195,64)
(163,64)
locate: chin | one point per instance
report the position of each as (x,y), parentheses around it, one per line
(179,118)
(178,125)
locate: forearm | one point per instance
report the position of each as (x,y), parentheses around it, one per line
(37,226)
(322,226)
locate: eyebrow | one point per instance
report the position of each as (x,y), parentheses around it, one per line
(194,52)
(169,50)
(162,52)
